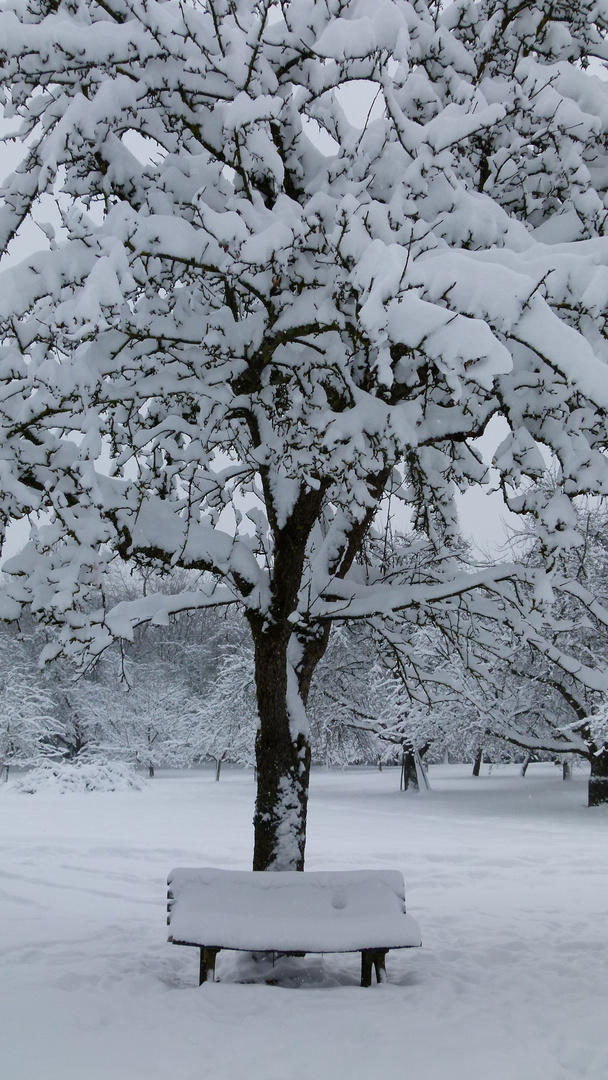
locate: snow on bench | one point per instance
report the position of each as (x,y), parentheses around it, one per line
(291,912)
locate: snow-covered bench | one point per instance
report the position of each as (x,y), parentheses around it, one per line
(290,912)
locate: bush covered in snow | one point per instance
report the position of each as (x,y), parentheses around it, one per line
(74,776)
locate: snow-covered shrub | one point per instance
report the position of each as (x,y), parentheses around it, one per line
(75,776)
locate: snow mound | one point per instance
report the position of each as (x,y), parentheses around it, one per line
(86,776)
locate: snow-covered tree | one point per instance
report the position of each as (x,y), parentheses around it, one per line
(545,707)
(226,720)
(252,317)
(360,709)
(189,647)
(146,721)
(29,729)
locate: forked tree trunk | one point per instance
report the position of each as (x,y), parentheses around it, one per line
(285,660)
(598,780)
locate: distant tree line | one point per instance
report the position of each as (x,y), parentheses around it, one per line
(184,692)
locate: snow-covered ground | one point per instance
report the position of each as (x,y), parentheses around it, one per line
(508,878)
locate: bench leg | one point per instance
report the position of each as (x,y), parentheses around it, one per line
(380,965)
(376,959)
(207,966)
(366,967)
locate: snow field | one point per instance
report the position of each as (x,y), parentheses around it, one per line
(507,877)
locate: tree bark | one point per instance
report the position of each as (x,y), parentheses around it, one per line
(285,661)
(282,760)
(477,762)
(409,774)
(598,780)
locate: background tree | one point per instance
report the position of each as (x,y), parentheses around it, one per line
(226,720)
(545,707)
(29,728)
(339,692)
(496,683)
(147,721)
(252,319)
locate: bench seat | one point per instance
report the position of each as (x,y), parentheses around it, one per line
(290,912)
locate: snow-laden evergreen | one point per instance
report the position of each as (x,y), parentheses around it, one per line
(250,318)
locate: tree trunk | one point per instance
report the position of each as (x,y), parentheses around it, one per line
(409,774)
(566,769)
(421,767)
(477,762)
(598,780)
(218,767)
(285,661)
(526,762)
(150,770)
(282,760)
